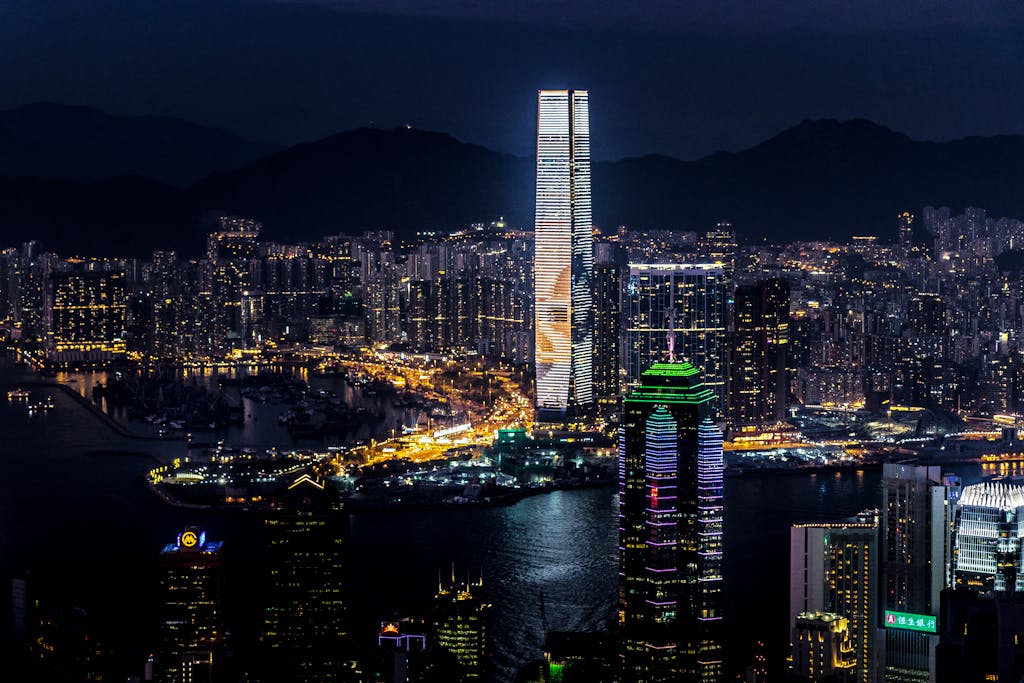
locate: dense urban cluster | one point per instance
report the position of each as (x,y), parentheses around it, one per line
(932,321)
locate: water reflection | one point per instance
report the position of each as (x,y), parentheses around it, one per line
(70,497)
(261,427)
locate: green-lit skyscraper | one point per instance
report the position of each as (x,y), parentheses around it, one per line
(670,529)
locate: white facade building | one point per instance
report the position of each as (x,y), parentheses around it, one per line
(564,255)
(989,534)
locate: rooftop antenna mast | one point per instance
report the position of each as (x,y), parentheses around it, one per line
(672,335)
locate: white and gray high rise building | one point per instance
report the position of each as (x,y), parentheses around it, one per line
(564,256)
(990,539)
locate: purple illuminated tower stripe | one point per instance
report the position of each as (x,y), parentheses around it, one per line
(709,518)
(661,475)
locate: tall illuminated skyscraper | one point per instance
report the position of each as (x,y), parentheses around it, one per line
(564,255)
(990,539)
(982,613)
(670,530)
(759,339)
(918,504)
(191,629)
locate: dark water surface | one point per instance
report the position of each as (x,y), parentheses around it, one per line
(71,503)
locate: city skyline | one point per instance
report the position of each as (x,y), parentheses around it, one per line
(442,327)
(389,406)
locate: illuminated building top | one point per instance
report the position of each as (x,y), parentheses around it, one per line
(672,383)
(995,495)
(192,540)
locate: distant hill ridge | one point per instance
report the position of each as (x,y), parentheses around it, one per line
(59,141)
(819,179)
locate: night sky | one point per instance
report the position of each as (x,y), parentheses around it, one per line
(666,76)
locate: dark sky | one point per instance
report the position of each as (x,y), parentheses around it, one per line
(678,77)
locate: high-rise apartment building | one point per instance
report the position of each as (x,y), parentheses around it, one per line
(682,302)
(164,290)
(719,246)
(563,311)
(86,314)
(905,228)
(918,506)
(191,615)
(381,279)
(834,569)
(670,529)
(227,276)
(235,238)
(758,381)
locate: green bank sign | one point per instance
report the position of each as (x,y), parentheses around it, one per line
(911,622)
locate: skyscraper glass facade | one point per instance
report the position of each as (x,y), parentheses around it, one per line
(684,302)
(989,535)
(564,254)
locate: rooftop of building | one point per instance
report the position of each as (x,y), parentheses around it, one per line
(192,541)
(212,547)
(671,382)
(994,495)
(821,618)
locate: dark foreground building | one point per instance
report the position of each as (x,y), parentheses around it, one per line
(460,623)
(305,624)
(191,614)
(982,638)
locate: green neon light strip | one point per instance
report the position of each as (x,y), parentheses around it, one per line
(690,391)
(667,398)
(671,370)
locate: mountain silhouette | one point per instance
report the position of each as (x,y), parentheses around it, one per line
(821,179)
(58,141)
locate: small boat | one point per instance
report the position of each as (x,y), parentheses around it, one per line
(42,406)
(18,394)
